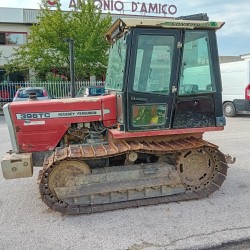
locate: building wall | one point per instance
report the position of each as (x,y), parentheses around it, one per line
(14,27)
(11,15)
(7,51)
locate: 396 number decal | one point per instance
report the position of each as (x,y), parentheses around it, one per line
(33,116)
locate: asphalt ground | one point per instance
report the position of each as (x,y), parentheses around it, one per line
(221,221)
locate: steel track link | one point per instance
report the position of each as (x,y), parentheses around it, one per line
(191,193)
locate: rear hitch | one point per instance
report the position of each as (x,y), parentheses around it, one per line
(230,159)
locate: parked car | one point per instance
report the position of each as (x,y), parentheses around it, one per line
(90,91)
(23,94)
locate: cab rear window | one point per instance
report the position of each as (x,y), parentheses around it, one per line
(25,93)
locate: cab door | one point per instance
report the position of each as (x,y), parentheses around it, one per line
(152,76)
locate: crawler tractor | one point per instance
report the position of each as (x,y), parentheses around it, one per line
(141,142)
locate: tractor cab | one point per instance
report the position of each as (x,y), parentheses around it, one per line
(165,74)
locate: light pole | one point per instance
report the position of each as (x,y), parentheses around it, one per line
(72,66)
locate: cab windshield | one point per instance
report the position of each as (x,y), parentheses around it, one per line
(116,65)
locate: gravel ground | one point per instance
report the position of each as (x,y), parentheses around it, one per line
(212,223)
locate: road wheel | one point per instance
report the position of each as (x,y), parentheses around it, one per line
(229,109)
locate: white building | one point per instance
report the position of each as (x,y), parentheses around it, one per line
(14,26)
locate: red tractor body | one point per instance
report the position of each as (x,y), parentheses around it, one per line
(40,125)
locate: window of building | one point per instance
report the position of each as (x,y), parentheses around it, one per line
(13,38)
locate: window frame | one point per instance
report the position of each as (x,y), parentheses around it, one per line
(6,33)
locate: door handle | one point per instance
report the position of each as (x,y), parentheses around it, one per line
(133,98)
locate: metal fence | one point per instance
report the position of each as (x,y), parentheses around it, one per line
(56,89)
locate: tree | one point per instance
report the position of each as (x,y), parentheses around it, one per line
(47,50)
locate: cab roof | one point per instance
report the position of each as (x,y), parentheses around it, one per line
(122,25)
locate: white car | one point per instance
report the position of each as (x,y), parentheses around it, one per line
(23,94)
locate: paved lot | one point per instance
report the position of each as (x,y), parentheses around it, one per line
(26,222)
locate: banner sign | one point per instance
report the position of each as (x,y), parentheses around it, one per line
(132,7)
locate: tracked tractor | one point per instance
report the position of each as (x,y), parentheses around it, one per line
(141,142)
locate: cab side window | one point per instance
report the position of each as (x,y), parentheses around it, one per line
(196,73)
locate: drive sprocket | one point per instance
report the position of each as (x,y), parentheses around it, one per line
(196,168)
(202,170)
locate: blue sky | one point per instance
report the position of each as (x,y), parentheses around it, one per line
(233,38)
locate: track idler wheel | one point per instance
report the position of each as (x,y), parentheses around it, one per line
(64,173)
(202,169)
(61,174)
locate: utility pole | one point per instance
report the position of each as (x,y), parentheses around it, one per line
(72,66)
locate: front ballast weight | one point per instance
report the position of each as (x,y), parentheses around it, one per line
(17,165)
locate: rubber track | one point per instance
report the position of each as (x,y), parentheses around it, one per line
(214,184)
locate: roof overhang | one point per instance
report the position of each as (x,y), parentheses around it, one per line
(122,25)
